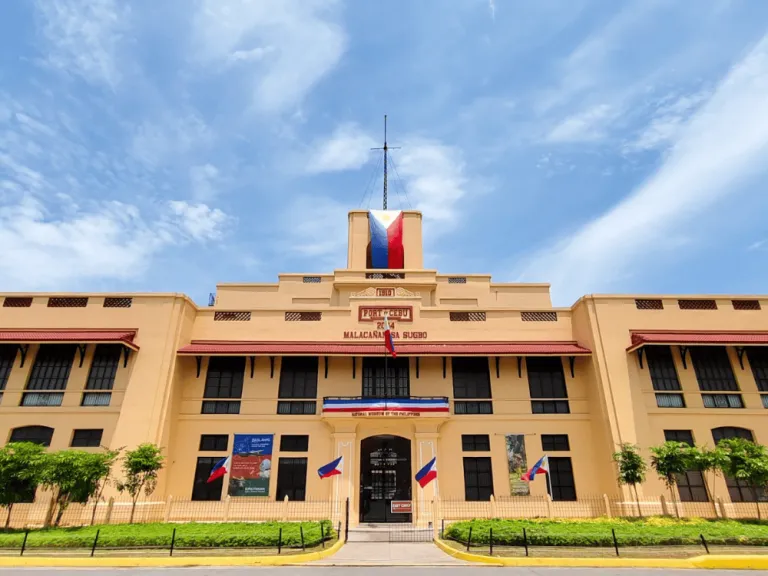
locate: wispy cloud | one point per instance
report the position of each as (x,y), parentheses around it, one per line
(586,126)
(721,146)
(83,37)
(348,148)
(198,221)
(288,44)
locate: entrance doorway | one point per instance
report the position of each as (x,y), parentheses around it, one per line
(385,476)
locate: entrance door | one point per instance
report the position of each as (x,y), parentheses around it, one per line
(385,475)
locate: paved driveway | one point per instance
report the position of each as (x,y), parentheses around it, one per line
(389,554)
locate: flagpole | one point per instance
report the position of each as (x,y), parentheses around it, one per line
(549,478)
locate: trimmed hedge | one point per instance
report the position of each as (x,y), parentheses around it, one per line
(655,531)
(192,535)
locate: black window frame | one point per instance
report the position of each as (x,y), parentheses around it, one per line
(758,361)
(471,377)
(546,377)
(550,407)
(298,377)
(662,369)
(561,479)
(294,443)
(398,381)
(738,490)
(555,443)
(202,490)
(52,367)
(224,378)
(86,437)
(472,407)
(214,442)
(220,407)
(297,407)
(713,368)
(7,359)
(103,371)
(292,478)
(28,431)
(691,486)
(478,482)
(475,443)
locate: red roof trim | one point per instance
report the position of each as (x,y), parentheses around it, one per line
(83,336)
(705,338)
(204,348)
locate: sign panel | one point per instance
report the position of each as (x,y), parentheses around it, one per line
(251,465)
(517,465)
(377,313)
(401,507)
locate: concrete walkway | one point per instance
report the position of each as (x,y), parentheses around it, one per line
(389,554)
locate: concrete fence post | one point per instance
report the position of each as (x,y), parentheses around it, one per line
(435,518)
(493,507)
(49,513)
(168,504)
(110,506)
(227,504)
(664,506)
(285,508)
(723,511)
(607,504)
(549,506)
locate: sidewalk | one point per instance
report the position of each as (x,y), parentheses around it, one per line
(390,554)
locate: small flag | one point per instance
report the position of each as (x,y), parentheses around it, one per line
(332,469)
(542,466)
(221,468)
(428,473)
(389,343)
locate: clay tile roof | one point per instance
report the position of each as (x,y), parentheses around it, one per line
(81,336)
(203,348)
(722,338)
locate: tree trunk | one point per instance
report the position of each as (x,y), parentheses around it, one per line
(637,501)
(133,509)
(674,500)
(59,514)
(8,518)
(757,503)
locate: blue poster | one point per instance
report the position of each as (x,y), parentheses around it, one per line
(251,465)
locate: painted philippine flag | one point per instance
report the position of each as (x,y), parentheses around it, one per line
(428,473)
(386,238)
(331,469)
(389,343)
(221,468)
(542,466)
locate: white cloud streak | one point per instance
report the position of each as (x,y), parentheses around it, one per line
(348,148)
(721,146)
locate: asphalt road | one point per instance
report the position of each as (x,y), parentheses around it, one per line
(354,571)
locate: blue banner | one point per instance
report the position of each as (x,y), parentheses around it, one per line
(251,465)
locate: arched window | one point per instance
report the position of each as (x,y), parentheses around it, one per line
(738,490)
(37,434)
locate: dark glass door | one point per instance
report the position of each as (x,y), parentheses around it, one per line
(385,475)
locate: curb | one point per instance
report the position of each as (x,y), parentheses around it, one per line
(22,562)
(745,562)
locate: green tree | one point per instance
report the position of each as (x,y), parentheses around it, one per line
(74,476)
(632,469)
(20,466)
(746,461)
(670,460)
(106,465)
(140,469)
(710,462)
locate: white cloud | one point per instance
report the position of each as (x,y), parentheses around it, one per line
(203,180)
(348,148)
(723,144)
(322,234)
(83,36)
(198,221)
(492,8)
(587,126)
(304,39)
(667,122)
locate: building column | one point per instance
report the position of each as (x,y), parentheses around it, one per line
(425,450)
(343,484)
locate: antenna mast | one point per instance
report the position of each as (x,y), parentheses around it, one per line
(385,149)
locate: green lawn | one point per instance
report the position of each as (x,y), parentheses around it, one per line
(192,535)
(655,531)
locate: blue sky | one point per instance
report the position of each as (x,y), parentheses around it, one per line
(601,146)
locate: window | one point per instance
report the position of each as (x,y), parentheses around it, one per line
(474,407)
(713,369)
(691,485)
(214,442)
(661,367)
(224,380)
(90,438)
(289,443)
(555,443)
(201,489)
(561,478)
(297,408)
(546,379)
(104,367)
(51,369)
(478,479)
(722,401)
(298,377)
(758,360)
(398,384)
(291,478)
(7,358)
(96,399)
(475,443)
(37,434)
(738,490)
(670,401)
(471,377)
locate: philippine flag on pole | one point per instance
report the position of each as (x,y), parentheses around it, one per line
(428,473)
(389,343)
(542,466)
(386,238)
(221,468)
(331,469)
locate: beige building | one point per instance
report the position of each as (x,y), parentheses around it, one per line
(488,378)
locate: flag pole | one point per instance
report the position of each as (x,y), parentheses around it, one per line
(549,478)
